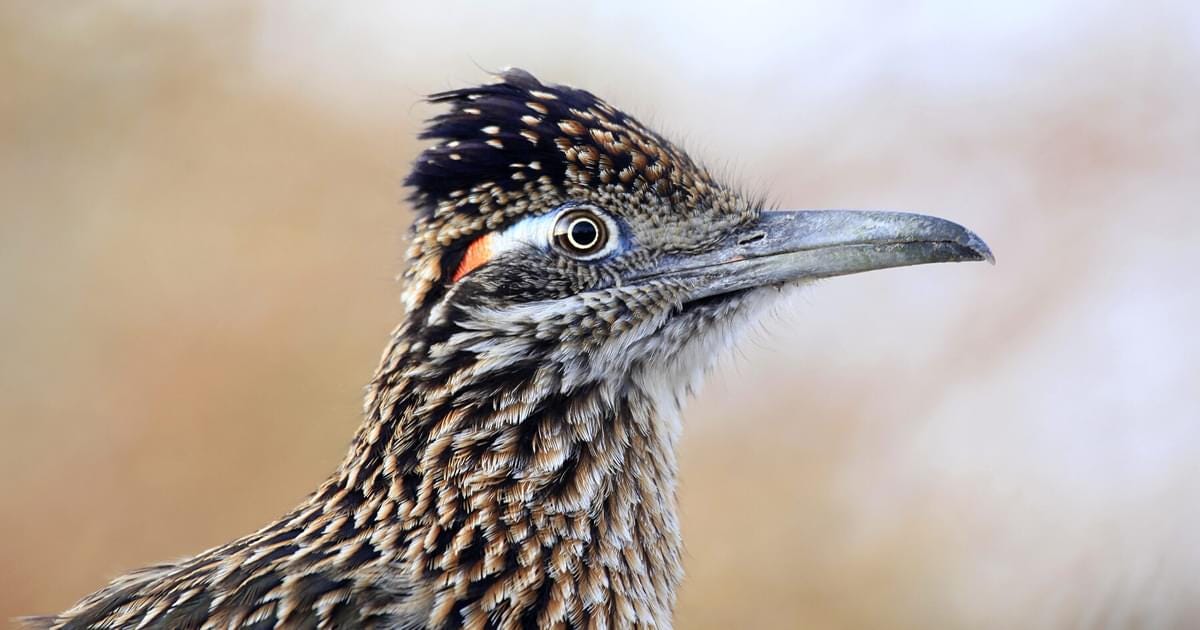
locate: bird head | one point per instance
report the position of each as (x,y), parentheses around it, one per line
(554,228)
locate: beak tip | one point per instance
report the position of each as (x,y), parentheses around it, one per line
(980,248)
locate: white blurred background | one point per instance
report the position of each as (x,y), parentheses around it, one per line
(201,217)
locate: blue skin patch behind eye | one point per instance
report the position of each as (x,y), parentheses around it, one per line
(538,231)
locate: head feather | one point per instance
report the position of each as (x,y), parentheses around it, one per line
(520,146)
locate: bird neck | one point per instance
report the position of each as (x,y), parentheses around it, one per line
(516,496)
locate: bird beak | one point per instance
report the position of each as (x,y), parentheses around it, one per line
(789,246)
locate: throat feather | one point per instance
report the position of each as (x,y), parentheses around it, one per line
(564,499)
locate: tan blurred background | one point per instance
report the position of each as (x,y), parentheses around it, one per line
(201,219)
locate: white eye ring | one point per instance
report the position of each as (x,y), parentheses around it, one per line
(584,233)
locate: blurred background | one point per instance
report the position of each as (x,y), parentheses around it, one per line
(201,221)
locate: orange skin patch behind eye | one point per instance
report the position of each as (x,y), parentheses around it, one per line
(478,252)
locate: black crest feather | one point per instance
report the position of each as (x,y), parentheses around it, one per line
(493,131)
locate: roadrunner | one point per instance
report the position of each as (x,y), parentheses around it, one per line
(571,276)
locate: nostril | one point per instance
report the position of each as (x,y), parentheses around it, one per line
(752,237)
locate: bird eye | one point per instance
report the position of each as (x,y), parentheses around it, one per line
(582,233)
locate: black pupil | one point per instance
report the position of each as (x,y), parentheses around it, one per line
(584,233)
